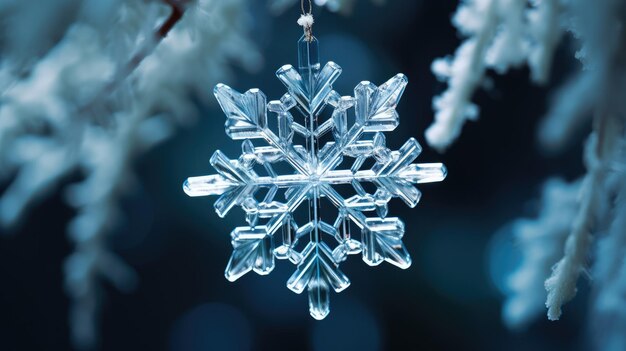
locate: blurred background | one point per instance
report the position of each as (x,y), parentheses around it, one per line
(450,298)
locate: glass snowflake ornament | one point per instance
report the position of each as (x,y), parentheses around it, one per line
(310,209)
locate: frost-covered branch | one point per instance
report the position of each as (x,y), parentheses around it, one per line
(500,34)
(609,272)
(116,83)
(463,73)
(599,28)
(561,285)
(542,240)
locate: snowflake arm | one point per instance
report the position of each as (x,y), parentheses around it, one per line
(247,119)
(317,247)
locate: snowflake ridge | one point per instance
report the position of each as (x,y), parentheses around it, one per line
(314,177)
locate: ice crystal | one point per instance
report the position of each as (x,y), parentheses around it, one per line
(314,177)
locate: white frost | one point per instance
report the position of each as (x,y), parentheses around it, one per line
(500,34)
(541,240)
(88,90)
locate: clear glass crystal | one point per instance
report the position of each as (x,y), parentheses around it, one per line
(251,182)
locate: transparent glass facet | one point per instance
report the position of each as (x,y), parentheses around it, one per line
(270,198)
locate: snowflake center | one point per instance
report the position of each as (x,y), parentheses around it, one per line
(314,179)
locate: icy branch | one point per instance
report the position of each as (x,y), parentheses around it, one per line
(602,28)
(561,285)
(500,34)
(114,85)
(609,312)
(545,30)
(541,241)
(464,72)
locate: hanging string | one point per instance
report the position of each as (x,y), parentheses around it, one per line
(306,20)
(302,7)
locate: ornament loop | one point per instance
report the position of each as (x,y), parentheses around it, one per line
(306,21)
(302,7)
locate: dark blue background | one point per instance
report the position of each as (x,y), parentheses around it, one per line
(179,246)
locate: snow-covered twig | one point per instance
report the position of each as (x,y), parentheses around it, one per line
(111,88)
(599,26)
(500,34)
(463,73)
(542,240)
(561,285)
(545,28)
(609,271)
(514,32)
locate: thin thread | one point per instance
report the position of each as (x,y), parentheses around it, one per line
(302,7)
